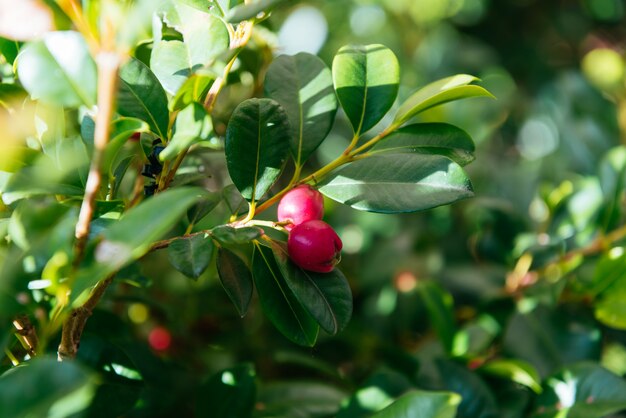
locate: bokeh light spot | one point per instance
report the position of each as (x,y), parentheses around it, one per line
(305,30)
(138,313)
(160,339)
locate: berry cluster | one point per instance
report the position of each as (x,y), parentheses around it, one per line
(313,244)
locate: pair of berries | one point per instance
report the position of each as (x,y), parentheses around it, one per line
(313,244)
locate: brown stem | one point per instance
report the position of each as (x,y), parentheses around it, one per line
(27,334)
(75,323)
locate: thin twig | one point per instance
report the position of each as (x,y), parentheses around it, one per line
(26,334)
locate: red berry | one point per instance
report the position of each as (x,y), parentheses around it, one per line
(315,246)
(299,205)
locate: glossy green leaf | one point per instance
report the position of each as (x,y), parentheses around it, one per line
(233,236)
(191,256)
(430,138)
(236,279)
(132,236)
(418,403)
(439,92)
(440,308)
(41,384)
(515,370)
(193,124)
(58,69)
(194,89)
(257,144)
(229,393)
(248,11)
(394,183)
(326,296)
(303,86)
(278,301)
(366,79)
(141,96)
(584,390)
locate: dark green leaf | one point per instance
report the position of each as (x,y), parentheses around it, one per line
(439,92)
(199,211)
(193,89)
(257,144)
(517,371)
(121,130)
(440,309)
(393,183)
(299,399)
(193,124)
(612,174)
(278,301)
(230,393)
(233,199)
(236,279)
(9,49)
(58,69)
(233,236)
(366,79)
(430,138)
(191,256)
(417,403)
(248,11)
(326,296)
(141,96)
(32,389)
(303,86)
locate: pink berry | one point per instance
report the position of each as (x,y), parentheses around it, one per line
(299,205)
(315,246)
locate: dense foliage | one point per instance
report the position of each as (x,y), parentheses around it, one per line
(144,146)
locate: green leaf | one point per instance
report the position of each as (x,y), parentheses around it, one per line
(200,210)
(515,370)
(233,236)
(132,236)
(9,49)
(439,92)
(430,138)
(366,79)
(194,89)
(326,296)
(610,309)
(233,199)
(191,256)
(141,96)
(36,387)
(612,175)
(229,393)
(440,309)
(303,86)
(193,124)
(257,144)
(58,69)
(292,399)
(394,183)
(423,404)
(278,301)
(236,279)
(584,390)
(248,11)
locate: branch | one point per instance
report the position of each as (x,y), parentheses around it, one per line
(26,334)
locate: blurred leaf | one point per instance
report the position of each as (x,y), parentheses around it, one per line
(191,256)
(611,308)
(236,279)
(417,403)
(43,385)
(584,390)
(248,11)
(326,296)
(9,49)
(193,124)
(298,399)
(132,236)
(440,307)
(366,79)
(141,96)
(230,393)
(439,92)
(612,174)
(515,370)
(430,138)
(303,86)
(257,144)
(200,210)
(58,69)
(395,183)
(278,301)
(229,235)
(193,89)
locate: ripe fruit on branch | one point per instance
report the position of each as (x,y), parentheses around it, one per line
(299,205)
(315,246)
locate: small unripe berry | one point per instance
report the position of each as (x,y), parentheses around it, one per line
(315,246)
(299,205)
